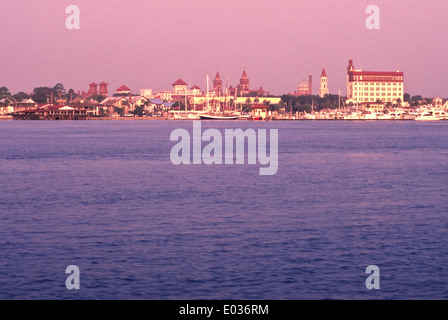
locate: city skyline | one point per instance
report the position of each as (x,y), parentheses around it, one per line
(150,44)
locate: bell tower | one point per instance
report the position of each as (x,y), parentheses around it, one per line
(217,85)
(323,84)
(244,83)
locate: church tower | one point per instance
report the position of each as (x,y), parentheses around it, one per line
(323,84)
(217,85)
(244,83)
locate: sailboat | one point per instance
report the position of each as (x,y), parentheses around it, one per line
(219,116)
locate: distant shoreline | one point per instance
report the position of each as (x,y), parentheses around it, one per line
(125,118)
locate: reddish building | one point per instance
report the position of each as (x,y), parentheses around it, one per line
(103,89)
(93,89)
(243,87)
(217,85)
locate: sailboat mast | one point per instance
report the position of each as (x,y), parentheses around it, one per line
(208,103)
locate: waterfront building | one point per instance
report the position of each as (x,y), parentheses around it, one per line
(260,111)
(138,101)
(370,87)
(157,106)
(323,91)
(179,87)
(110,103)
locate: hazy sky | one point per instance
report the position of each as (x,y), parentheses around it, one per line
(150,44)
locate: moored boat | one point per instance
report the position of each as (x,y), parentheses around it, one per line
(217,117)
(428,116)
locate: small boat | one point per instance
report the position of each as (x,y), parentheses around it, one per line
(217,117)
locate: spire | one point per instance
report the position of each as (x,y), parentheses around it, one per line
(244,76)
(217,77)
(324,74)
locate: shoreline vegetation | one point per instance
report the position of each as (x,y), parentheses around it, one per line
(57,104)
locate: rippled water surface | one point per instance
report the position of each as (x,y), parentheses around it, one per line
(103,195)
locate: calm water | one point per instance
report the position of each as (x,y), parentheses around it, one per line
(104,196)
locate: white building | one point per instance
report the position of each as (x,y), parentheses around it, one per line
(323,91)
(373,86)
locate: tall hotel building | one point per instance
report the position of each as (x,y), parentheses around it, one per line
(371,86)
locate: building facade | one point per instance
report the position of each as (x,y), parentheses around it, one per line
(180,87)
(374,86)
(323,90)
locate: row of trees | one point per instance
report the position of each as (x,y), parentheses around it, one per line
(309,103)
(41,94)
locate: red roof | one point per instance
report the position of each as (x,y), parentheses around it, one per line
(259,106)
(217,77)
(93,84)
(103,83)
(179,82)
(195,87)
(389,76)
(324,74)
(123,88)
(244,75)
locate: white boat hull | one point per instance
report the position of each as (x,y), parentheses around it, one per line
(217,117)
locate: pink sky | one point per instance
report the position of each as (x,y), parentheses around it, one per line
(150,44)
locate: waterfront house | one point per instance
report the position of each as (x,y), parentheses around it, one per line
(63,113)
(260,112)
(110,104)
